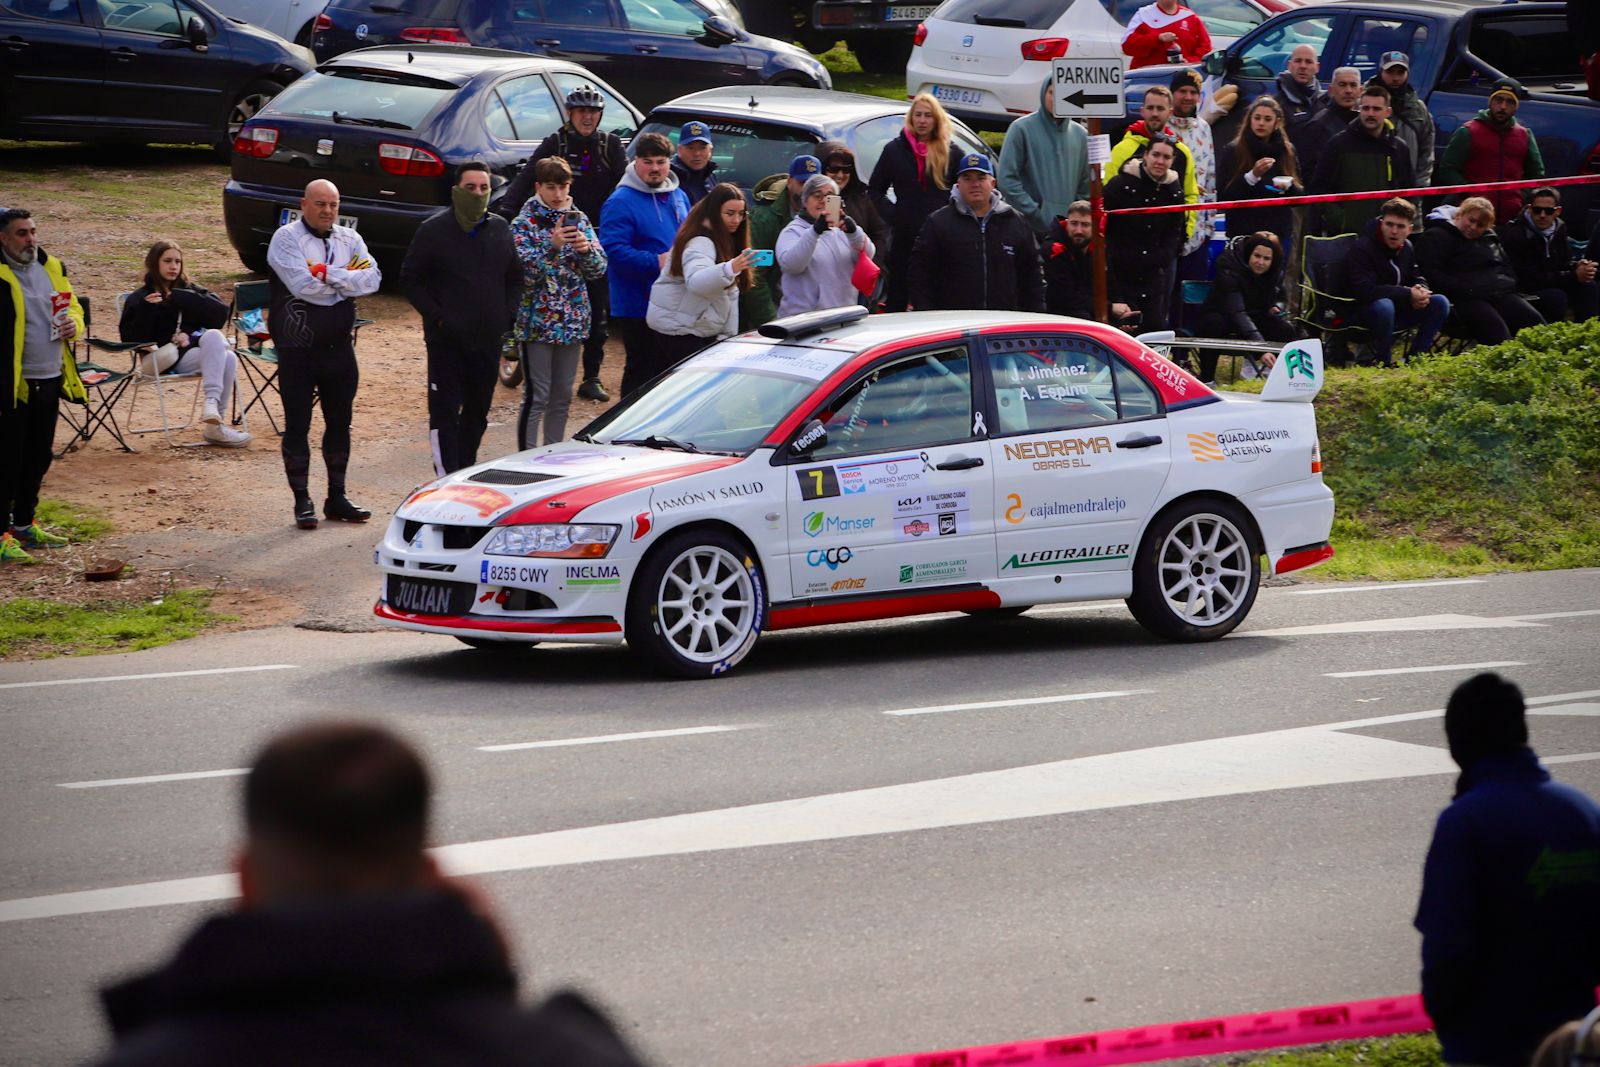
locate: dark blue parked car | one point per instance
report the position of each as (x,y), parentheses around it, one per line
(652,50)
(388,127)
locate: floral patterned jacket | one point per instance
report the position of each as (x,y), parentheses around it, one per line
(555,296)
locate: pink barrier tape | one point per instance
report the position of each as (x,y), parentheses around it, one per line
(1382,194)
(1197,1037)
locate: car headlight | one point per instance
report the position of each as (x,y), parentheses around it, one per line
(563,540)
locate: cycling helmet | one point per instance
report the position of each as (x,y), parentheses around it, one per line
(584,96)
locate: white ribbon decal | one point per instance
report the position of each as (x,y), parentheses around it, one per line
(978,428)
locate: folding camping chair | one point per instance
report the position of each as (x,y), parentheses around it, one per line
(258,357)
(104,387)
(146,376)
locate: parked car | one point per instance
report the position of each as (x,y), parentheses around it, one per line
(293,20)
(879,32)
(651,50)
(757,132)
(155,70)
(837,467)
(388,126)
(985,59)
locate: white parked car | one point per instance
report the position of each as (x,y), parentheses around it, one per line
(985,59)
(293,20)
(835,468)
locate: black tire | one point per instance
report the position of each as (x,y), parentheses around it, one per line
(677,589)
(251,99)
(254,260)
(504,648)
(1197,572)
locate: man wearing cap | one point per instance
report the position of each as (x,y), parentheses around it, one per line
(1494,147)
(1044,164)
(696,171)
(976,252)
(777,198)
(1510,889)
(1142,249)
(1411,119)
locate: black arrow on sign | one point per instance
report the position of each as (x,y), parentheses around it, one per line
(1077,99)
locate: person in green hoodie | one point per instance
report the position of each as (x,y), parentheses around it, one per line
(776,198)
(1044,164)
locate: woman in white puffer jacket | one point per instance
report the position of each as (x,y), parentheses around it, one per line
(695,300)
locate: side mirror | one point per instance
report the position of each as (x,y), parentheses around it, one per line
(195,31)
(1215,63)
(718,32)
(814,436)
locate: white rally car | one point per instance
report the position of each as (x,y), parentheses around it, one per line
(836,467)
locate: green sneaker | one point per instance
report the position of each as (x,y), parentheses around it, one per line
(11,550)
(36,536)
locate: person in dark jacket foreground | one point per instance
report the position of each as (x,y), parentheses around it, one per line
(1261,163)
(975,252)
(1462,257)
(1365,158)
(171,310)
(1246,299)
(348,946)
(1069,269)
(1536,244)
(1143,249)
(919,166)
(1381,274)
(1510,890)
(463,276)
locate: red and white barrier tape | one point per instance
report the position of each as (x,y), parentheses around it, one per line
(1336,198)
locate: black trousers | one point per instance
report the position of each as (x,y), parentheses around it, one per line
(461,385)
(1489,322)
(1147,286)
(594,346)
(1215,324)
(1581,298)
(677,347)
(646,357)
(26,433)
(304,376)
(897,286)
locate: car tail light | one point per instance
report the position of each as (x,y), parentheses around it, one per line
(433,35)
(408,161)
(921,35)
(1316,457)
(1593,164)
(836,16)
(1045,48)
(323,24)
(257,141)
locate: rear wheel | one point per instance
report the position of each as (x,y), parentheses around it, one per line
(254,260)
(697,605)
(1196,574)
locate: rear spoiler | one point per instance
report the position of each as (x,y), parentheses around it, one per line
(1296,377)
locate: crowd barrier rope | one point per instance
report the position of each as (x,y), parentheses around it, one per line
(1382,194)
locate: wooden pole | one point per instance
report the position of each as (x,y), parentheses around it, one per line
(1101,313)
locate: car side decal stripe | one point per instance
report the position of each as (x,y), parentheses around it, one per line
(512,626)
(565,506)
(804,613)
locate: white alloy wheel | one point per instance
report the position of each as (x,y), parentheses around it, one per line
(706,604)
(1196,573)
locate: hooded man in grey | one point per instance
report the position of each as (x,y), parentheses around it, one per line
(1044,165)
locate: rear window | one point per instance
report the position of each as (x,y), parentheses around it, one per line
(1525,47)
(1017,14)
(422,9)
(745,152)
(402,100)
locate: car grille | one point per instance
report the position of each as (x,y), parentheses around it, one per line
(455,537)
(499,477)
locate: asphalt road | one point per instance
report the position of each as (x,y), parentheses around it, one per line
(828,855)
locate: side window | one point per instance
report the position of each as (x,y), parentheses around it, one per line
(1371,38)
(1268,55)
(925,399)
(1526,46)
(870,138)
(1051,383)
(1136,398)
(617,119)
(682,18)
(594,14)
(497,120)
(1227,18)
(148,16)
(533,112)
(53,10)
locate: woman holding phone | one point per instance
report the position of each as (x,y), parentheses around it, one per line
(916,165)
(818,250)
(695,301)
(559,254)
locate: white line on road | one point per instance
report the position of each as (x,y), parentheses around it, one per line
(1557,615)
(1320,590)
(562,742)
(144,677)
(1427,670)
(1021,702)
(183,777)
(1381,626)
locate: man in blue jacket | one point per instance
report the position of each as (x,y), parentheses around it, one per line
(1510,908)
(637,226)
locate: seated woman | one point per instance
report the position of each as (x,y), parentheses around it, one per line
(169,309)
(1246,301)
(1461,257)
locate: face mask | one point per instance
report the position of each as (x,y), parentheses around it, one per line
(469,207)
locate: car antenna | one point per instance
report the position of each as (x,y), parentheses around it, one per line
(753,103)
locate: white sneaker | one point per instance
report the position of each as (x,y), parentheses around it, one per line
(226,436)
(211,416)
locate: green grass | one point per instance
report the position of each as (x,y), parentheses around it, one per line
(1404,1050)
(49,628)
(80,522)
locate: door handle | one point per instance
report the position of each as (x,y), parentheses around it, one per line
(1139,442)
(122,55)
(547,42)
(16,44)
(646,49)
(959,463)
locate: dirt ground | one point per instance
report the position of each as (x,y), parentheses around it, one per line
(196,515)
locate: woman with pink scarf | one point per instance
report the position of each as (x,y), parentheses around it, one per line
(918,165)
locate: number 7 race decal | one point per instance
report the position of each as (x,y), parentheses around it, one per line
(817,482)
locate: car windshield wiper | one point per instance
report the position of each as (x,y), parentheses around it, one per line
(656,440)
(584,437)
(354,120)
(999,20)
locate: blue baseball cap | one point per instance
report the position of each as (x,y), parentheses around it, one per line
(805,167)
(975,161)
(693,132)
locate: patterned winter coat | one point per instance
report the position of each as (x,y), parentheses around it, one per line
(555,298)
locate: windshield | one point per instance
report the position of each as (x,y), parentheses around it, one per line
(362,94)
(725,399)
(745,152)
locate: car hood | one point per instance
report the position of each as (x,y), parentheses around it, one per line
(550,484)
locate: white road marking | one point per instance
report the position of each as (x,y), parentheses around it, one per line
(1568,709)
(562,742)
(1558,615)
(1321,589)
(1381,626)
(1426,670)
(183,777)
(935,709)
(144,677)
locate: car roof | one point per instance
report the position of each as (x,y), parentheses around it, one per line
(457,64)
(873,330)
(1429,7)
(790,105)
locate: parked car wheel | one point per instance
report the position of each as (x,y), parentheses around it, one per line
(1196,574)
(698,605)
(251,100)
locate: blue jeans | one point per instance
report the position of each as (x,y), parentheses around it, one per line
(1381,317)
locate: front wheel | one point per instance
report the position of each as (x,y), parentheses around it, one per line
(1196,575)
(697,605)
